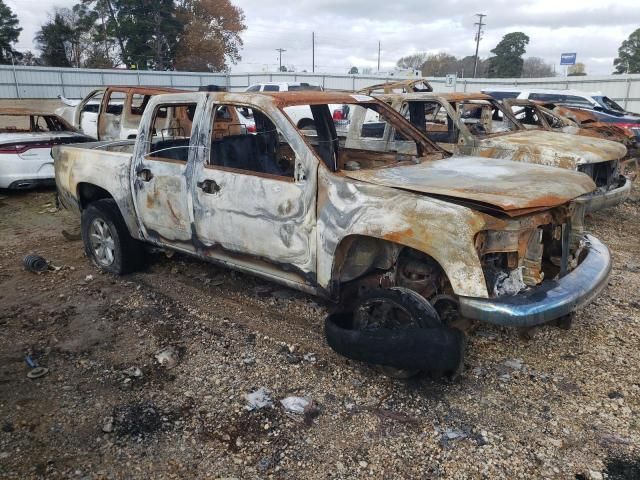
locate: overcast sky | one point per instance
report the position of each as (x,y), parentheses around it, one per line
(347,32)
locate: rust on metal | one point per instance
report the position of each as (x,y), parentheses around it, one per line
(402,86)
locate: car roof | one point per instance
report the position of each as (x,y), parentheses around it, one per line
(281,99)
(18,111)
(450,97)
(551,91)
(286,83)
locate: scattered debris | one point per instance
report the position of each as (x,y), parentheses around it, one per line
(295,404)
(514,363)
(37,372)
(450,434)
(309,357)
(167,357)
(133,372)
(88,278)
(258,399)
(107,424)
(35,263)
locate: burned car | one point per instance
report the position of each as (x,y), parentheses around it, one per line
(110,113)
(476,124)
(574,121)
(406,240)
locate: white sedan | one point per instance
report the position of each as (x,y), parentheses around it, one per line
(26,138)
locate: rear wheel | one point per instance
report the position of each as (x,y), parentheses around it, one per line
(106,238)
(395,308)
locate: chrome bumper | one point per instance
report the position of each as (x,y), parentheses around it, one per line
(600,200)
(552,299)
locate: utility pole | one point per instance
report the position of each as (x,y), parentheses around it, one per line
(313,51)
(280,50)
(378,56)
(478,35)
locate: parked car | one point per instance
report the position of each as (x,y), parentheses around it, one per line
(26,138)
(412,240)
(606,109)
(476,124)
(110,113)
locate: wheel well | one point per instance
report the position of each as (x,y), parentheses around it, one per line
(88,193)
(361,259)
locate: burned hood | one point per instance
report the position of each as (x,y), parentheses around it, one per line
(505,185)
(551,148)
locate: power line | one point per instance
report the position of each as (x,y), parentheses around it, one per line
(478,35)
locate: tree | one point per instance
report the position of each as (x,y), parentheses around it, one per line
(507,62)
(577,70)
(439,65)
(67,38)
(536,67)
(211,38)
(29,59)
(9,33)
(353,71)
(628,59)
(413,61)
(52,40)
(149,32)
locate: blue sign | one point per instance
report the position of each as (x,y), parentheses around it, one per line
(568,58)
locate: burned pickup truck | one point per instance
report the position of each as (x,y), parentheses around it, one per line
(476,124)
(405,240)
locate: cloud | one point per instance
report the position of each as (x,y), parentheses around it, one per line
(347,32)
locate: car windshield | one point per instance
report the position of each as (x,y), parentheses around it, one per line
(609,104)
(373,152)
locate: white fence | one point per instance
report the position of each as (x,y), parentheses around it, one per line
(47,82)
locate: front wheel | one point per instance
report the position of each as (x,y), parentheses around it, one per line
(396,308)
(106,238)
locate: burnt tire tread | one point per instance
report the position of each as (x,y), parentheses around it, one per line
(129,252)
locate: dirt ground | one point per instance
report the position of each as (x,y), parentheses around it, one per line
(562,404)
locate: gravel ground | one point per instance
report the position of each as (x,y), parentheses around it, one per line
(559,404)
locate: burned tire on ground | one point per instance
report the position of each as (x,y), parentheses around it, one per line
(106,239)
(399,331)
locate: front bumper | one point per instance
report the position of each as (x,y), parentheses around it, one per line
(552,299)
(600,200)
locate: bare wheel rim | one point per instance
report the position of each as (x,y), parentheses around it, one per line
(382,313)
(102,242)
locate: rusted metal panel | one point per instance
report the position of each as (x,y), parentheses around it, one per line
(404,86)
(500,183)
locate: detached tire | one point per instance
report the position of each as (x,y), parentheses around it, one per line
(106,239)
(399,331)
